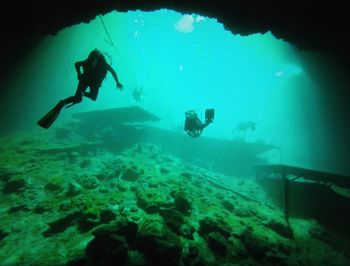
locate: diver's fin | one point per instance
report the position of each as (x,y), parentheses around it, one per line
(51,116)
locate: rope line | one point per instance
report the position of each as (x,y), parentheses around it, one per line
(110,41)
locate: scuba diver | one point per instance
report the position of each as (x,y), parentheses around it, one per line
(194,126)
(95,69)
(137,94)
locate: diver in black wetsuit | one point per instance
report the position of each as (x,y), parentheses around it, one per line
(194,126)
(95,69)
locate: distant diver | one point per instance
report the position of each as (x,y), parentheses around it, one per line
(137,94)
(244,126)
(95,69)
(194,126)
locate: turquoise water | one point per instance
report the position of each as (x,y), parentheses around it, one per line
(184,62)
(73,174)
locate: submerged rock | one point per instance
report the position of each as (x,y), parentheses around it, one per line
(190,255)
(5,176)
(186,175)
(173,219)
(40,209)
(132,174)
(62,224)
(160,251)
(207,226)
(76,204)
(55,184)
(17,208)
(87,221)
(85,163)
(107,216)
(3,234)
(244,212)
(218,243)
(177,223)
(121,186)
(164,170)
(320,233)
(182,204)
(136,257)
(283,230)
(255,247)
(87,182)
(73,189)
(14,186)
(107,250)
(151,200)
(228,205)
(121,227)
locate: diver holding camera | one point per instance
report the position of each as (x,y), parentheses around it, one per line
(194,126)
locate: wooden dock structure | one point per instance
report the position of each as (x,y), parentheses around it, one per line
(292,173)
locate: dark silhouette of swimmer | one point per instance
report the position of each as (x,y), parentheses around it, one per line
(194,126)
(137,94)
(95,69)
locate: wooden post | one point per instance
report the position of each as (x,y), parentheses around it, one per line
(285,194)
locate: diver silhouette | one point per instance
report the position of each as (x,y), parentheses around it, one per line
(95,69)
(193,125)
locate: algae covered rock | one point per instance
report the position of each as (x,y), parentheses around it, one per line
(176,222)
(153,226)
(182,204)
(217,242)
(256,247)
(244,211)
(151,200)
(158,245)
(282,229)
(122,186)
(85,163)
(209,225)
(107,216)
(87,221)
(62,224)
(132,173)
(121,227)
(55,184)
(160,251)
(216,233)
(172,218)
(228,205)
(191,255)
(14,185)
(3,234)
(87,182)
(75,204)
(73,189)
(107,250)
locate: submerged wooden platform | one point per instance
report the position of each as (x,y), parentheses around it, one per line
(231,157)
(291,173)
(116,115)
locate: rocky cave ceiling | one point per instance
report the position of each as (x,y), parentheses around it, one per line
(310,25)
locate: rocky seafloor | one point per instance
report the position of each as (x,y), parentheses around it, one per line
(67,201)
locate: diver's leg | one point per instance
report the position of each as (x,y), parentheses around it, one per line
(77,98)
(92,94)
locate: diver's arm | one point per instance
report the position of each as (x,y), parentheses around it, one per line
(195,133)
(207,122)
(78,65)
(115,76)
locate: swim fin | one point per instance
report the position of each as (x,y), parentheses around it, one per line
(51,116)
